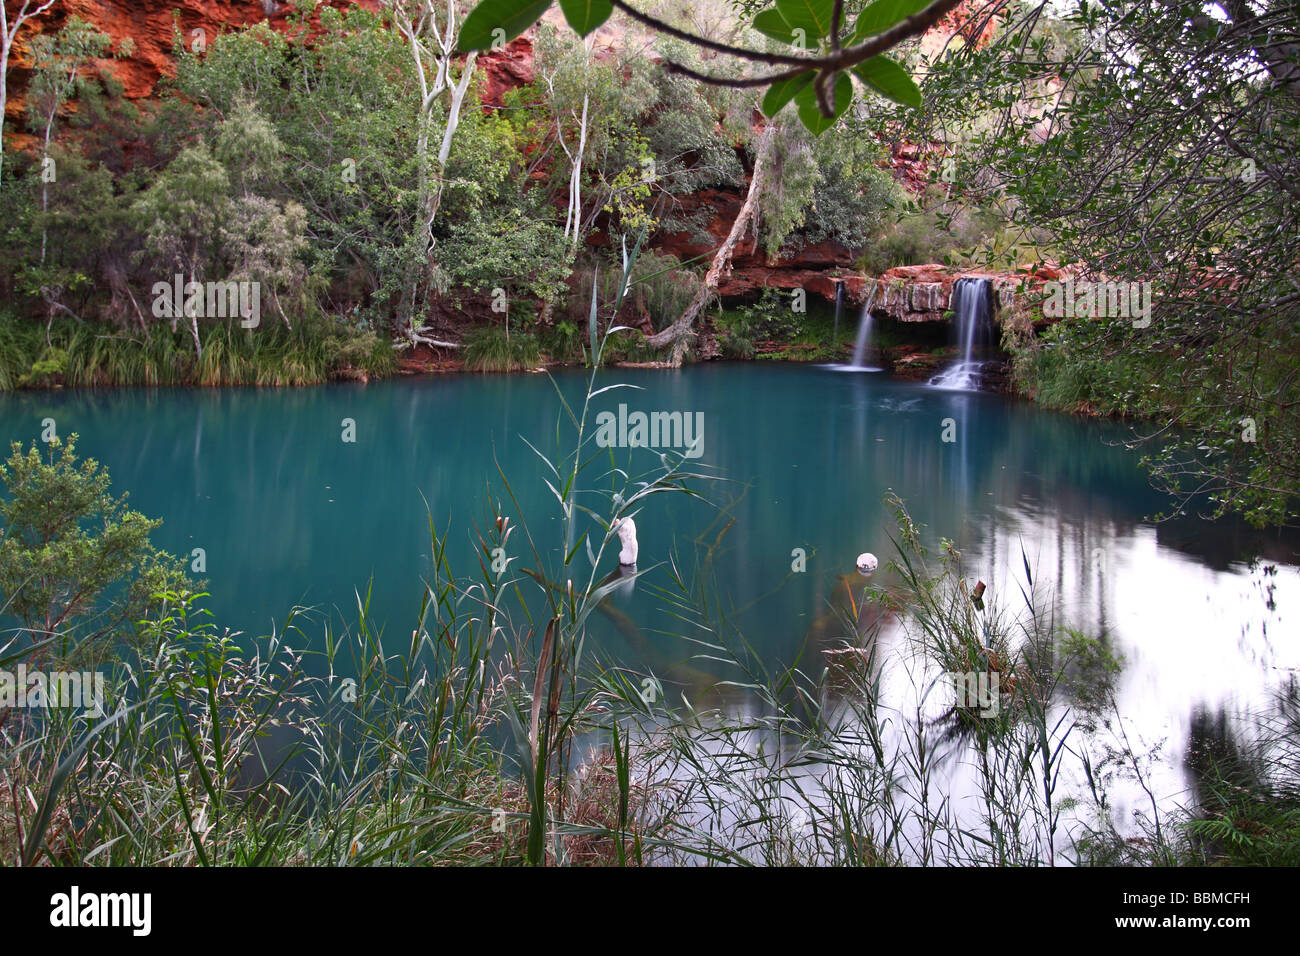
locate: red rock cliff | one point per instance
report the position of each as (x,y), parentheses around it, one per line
(149,25)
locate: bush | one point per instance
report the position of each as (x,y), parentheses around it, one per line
(563,343)
(735,335)
(1060,368)
(628,347)
(772,317)
(659,289)
(929,234)
(76,565)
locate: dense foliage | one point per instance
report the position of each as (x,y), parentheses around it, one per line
(76,565)
(309,163)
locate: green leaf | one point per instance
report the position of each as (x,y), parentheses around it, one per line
(510,17)
(586,15)
(38,826)
(7,659)
(811,16)
(810,113)
(883,14)
(888,78)
(770,23)
(783,91)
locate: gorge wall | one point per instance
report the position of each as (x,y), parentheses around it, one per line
(149,24)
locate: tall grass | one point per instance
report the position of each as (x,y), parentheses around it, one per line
(490,349)
(80,354)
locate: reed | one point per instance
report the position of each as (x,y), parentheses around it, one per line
(490,737)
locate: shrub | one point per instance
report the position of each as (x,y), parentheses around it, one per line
(772,317)
(76,565)
(563,343)
(659,289)
(735,336)
(930,234)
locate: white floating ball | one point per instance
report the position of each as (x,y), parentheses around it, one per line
(867,563)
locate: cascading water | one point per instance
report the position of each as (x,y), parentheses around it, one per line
(839,309)
(972,306)
(864,337)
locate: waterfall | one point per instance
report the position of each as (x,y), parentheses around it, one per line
(972,308)
(864,334)
(839,308)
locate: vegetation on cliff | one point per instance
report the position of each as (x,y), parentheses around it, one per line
(292,159)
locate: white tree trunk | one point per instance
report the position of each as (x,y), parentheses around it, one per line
(4,89)
(8,34)
(453,123)
(441,51)
(575,183)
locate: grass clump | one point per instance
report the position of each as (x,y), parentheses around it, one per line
(490,349)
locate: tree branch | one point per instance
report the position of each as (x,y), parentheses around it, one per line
(837,59)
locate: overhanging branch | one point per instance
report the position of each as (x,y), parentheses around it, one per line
(837,59)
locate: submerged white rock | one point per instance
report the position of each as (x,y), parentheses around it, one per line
(626,529)
(867,563)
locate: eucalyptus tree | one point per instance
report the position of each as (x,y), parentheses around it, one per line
(181,216)
(211,214)
(593,142)
(566,71)
(60,65)
(340,97)
(835,187)
(263,237)
(431,30)
(498,236)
